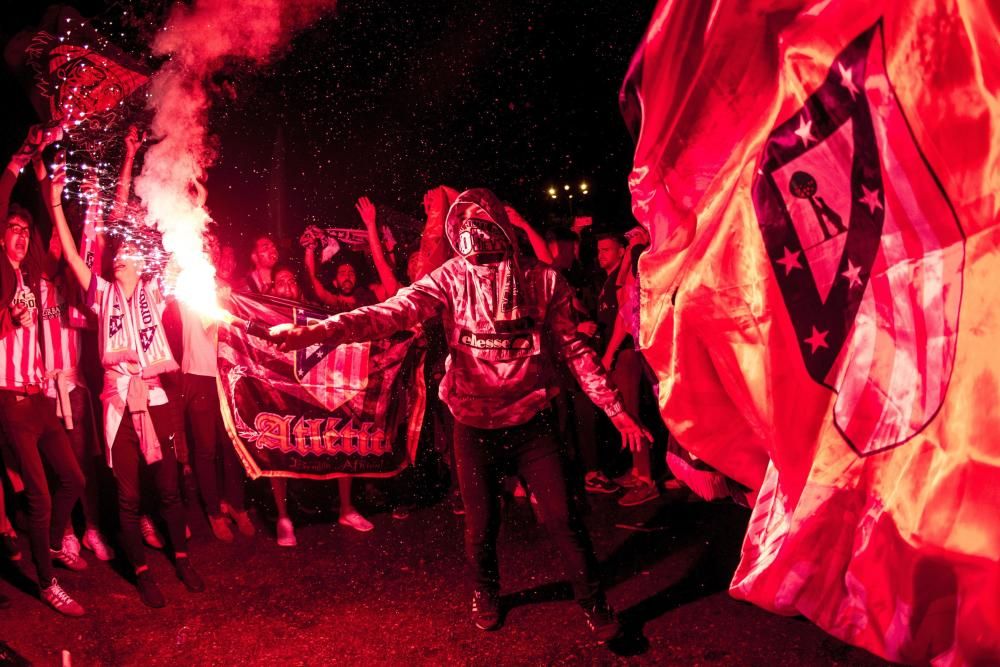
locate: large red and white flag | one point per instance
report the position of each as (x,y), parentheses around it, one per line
(820,181)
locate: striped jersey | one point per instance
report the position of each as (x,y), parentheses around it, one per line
(22,357)
(60,341)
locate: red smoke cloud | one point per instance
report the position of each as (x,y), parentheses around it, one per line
(199,40)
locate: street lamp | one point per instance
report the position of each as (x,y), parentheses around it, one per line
(569,193)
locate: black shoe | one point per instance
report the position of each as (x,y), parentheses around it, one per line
(601,619)
(599,483)
(186,573)
(486,609)
(149,592)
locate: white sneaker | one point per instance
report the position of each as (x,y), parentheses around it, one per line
(58,599)
(69,542)
(355,521)
(149,534)
(93,540)
(286,533)
(68,560)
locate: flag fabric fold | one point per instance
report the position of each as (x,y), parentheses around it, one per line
(820,182)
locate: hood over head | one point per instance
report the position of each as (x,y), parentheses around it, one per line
(478,228)
(480,232)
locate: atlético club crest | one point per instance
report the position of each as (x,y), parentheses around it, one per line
(115,324)
(146,336)
(333,375)
(866,249)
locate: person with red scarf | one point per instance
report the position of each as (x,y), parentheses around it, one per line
(140,423)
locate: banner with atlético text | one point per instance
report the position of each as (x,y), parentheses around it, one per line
(322,412)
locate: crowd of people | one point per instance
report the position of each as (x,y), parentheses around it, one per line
(531,353)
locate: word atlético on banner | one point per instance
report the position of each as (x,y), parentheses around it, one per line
(322,436)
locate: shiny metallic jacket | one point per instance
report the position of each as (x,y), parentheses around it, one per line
(503,347)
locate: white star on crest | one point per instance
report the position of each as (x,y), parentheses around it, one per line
(847,80)
(805,131)
(790,260)
(817,340)
(870,199)
(853,274)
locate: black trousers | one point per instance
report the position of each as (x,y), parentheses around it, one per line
(483,458)
(82,439)
(210,443)
(34,434)
(128,464)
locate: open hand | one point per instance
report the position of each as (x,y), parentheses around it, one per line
(366,209)
(434,203)
(634,435)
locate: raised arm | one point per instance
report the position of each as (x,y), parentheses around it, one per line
(31,150)
(54,202)
(433,245)
(367,212)
(133,141)
(15,315)
(324,295)
(538,244)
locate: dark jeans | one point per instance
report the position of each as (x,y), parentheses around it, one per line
(128,464)
(81,439)
(211,442)
(34,433)
(483,457)
(581,426)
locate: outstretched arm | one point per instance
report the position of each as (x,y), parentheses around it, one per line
(73,259)
(409,307)
(582,361)
(367,212)
(538,244)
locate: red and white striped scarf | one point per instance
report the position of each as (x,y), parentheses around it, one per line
(131,331)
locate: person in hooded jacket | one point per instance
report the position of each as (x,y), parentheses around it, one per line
(507,321)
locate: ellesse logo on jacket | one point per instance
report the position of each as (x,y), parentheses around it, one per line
(497,341)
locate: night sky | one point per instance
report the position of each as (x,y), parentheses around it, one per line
(388,99)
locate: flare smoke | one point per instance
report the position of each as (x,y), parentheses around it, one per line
(199,40)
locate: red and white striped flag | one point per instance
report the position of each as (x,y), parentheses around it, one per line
(821,184)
